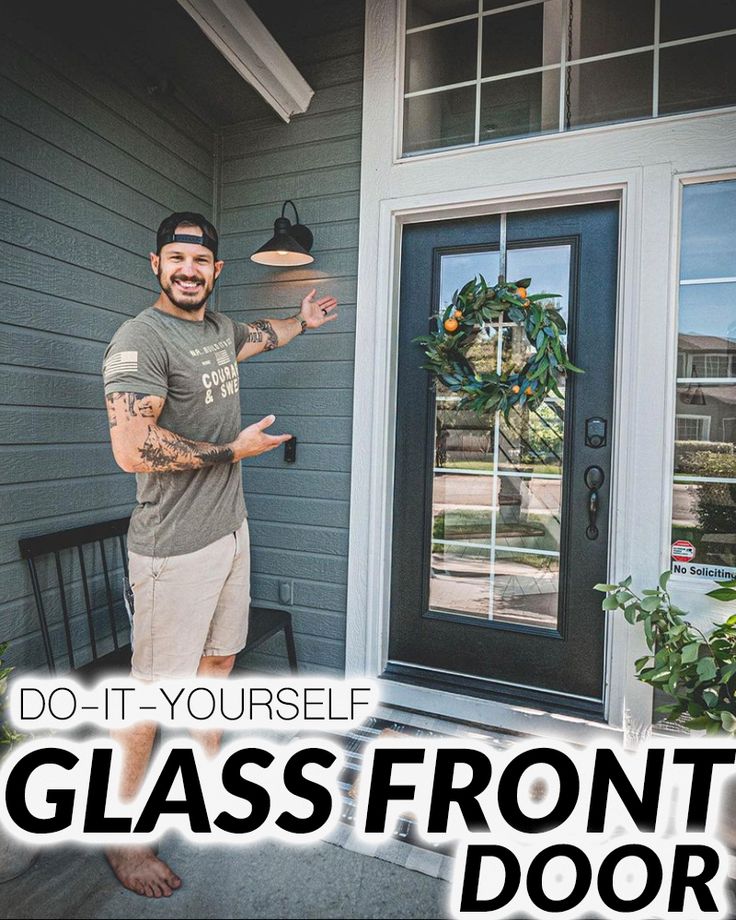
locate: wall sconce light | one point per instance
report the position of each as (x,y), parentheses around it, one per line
(289,245)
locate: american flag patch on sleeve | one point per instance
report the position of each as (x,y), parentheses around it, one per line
(124,362)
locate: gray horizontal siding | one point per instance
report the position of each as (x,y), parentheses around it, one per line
(88,165)
(299,513)
(87,171)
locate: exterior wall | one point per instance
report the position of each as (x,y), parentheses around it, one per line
(89,166)
(299,512)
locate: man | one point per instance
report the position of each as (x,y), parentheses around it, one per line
(171,386)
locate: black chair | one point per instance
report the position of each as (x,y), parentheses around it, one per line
(264,622)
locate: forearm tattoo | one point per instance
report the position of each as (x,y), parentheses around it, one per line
(162,450)
(261,328)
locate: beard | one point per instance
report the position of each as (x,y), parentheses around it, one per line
(185,300)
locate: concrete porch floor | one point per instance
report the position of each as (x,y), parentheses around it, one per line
(269,879)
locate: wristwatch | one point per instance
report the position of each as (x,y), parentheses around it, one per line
(303,322)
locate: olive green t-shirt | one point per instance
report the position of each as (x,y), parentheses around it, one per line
(192,363)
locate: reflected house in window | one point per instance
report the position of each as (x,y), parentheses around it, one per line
(706,411)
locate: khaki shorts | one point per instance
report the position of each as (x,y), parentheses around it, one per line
(190,605)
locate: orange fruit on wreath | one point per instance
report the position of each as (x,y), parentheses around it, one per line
(515,388)
(528,391)
(451,324)
(458,314)
(521,292)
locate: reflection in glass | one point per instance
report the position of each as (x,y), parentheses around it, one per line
(521,39)
(442,56)
(548,266)
(683,18)
(705,428)
(526,589)
(602,27)
(520,106)
(699,75)
(707,328)
(496,499)
(604,92)
(704,513)
(457,269)
(709,231)
(527,513)
(423,12)
(443,119)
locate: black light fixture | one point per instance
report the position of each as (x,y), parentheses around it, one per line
(289,245)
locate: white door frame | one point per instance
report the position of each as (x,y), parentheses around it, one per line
(639,163)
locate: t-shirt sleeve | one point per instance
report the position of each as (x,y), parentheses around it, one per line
(135,362)
(241,331)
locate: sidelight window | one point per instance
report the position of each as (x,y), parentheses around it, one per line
(704,490)
(478,71)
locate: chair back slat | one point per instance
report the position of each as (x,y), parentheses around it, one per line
(76,538)
(41,614)
(108,592)
(64,611)
(87,602)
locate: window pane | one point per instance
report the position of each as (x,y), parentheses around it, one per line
(520,106)
(457,269)
(525,589)
(602,92)
(439,119)
(707,325)
(441,57)
(601,27)
(683,18)
(709,231)
(549,269)
(699,75)
(533,439)
(704,429)
(704,514)
(521,39)
(422,12)
(528,515)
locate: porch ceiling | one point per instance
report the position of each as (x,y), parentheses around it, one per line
(159,48)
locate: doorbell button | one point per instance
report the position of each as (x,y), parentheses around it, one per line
(595,432)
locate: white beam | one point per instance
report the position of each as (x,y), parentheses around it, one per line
(243,40)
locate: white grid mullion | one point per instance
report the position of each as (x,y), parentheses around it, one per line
(697,38)
(564,76)
(655,65)
(478,65)
(438,25)
(713,381)
(724,480)
(515,6)
(724,280)
(438,89)
(471,544)
(521,474)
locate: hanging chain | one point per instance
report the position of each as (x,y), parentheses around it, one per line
(568,71)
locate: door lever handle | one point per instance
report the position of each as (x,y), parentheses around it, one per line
(594,479)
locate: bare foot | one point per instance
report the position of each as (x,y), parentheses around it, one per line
(140,870)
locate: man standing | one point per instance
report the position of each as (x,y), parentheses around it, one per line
(171,386)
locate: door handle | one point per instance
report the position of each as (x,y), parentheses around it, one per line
(594,479)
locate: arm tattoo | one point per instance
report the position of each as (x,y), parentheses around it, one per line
(132,404)
(260,327)
(164,451)
(157,450)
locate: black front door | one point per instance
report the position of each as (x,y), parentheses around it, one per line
(493,556)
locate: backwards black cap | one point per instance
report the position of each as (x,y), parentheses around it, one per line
(167,231)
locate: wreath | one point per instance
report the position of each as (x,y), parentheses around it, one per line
(470,317)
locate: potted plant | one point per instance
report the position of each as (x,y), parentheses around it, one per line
(15,857)
(697,672)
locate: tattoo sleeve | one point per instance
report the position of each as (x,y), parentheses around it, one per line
(261,330)
(149,448)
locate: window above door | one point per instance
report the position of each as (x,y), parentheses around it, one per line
(482,71)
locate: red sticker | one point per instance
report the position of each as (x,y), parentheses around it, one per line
(683,551)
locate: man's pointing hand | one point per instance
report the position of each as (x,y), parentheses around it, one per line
(253,440)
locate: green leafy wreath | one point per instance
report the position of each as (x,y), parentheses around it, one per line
(473,309)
